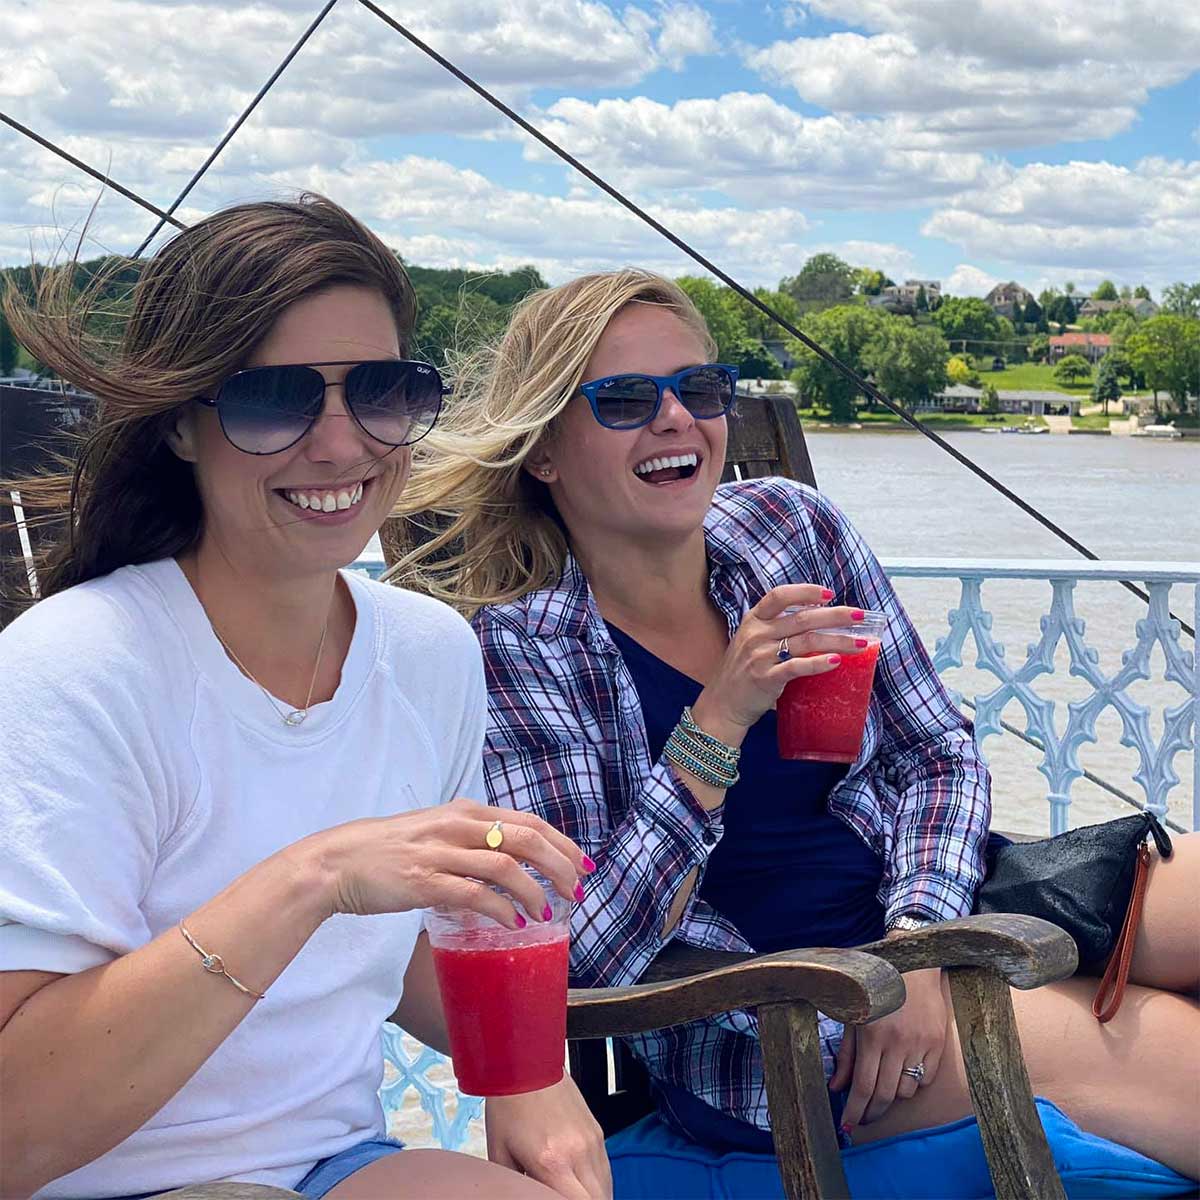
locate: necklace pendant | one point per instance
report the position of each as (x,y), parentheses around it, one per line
(296,717)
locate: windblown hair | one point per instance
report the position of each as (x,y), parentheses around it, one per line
(480,529)
(199,308)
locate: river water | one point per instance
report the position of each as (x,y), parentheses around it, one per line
(1124,498)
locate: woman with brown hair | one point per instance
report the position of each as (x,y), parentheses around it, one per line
(639,619)
(231,773)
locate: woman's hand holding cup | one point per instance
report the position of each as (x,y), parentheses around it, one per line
(752,673)
(441,856)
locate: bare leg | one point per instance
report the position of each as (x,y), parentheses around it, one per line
(434,1175)
(1135,1080)
(1167,953)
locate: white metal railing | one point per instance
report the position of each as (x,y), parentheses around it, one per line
(1060,624)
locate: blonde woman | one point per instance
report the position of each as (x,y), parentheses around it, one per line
(612,583)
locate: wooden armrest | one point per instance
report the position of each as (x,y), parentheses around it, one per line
(1027,951)
(847,984)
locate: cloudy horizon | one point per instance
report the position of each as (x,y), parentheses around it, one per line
(967,143)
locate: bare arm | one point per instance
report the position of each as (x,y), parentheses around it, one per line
(420,1011)
(115,1030)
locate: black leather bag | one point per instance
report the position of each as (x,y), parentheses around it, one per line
(1080,880)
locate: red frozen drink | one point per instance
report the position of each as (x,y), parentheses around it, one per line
(505,996)
(821,717)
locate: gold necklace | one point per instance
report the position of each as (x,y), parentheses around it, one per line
(297,715)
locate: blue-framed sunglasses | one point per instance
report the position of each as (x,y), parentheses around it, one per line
(266,410)
(631,401)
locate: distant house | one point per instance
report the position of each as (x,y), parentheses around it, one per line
(780,352)
(1093,346)
(1097,308)
(958,397)
(902,297)
(1142,307)
(1005,298)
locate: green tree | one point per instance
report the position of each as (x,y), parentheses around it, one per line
(922,299)
(752,359)
(1039,347)
(721,309)
(824,280)
(969,319)
(845,331)
(989,400)
(958,370)
(1107,386)
(756,323)
(1165,350)
(870,282)
(907,360)
(447,331)
(1061,310)
(1181,300)
(1071,368)
(8,347)
(1106,291)
(1141,292)
(1032,313)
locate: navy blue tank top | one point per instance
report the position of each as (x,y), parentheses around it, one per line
(786,872)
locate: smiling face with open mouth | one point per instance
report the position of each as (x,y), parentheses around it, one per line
(649,484)
(313,506)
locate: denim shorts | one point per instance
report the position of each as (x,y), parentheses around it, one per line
(329,1172)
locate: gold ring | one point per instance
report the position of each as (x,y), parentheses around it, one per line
(494,836)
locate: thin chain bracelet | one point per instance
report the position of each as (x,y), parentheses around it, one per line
(213,964)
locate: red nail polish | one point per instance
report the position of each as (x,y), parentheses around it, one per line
(861,643)
(847,1129)
(834,659)
(588,865)
(547,913)
(579,891)
(826,594)
(521,922)
(858,615)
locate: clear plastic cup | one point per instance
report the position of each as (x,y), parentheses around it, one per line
(821,717)
(505,995)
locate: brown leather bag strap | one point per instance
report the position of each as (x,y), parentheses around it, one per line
(1111,991)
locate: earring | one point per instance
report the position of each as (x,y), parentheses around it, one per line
(545,472)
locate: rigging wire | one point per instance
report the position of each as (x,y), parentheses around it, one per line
(208,162)
(842,368)
(107,180)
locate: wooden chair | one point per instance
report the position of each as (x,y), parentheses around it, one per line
(34,424)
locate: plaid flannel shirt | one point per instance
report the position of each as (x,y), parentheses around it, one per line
(566,739)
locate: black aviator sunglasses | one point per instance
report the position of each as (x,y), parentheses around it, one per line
(266,410)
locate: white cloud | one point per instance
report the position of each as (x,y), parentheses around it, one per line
(966,280)
(1090,218)
(686,29)
(991,73)
(754,149)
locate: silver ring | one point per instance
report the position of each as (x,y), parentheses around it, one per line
(783,653)
(917,1072)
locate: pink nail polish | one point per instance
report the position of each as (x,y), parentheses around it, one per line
(547,913)
(579,891)
(847,1129)
(834,660)
(826,594)
(858,615)
(861,643)
(521,922)
(588,865)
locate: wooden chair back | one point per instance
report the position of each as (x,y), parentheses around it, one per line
(35,424)
(766,438)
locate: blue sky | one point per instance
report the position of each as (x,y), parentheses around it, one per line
(964,140)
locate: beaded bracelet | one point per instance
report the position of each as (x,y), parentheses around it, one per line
(702,755)
(731,754)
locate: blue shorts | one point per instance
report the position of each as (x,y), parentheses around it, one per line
(329,1172)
